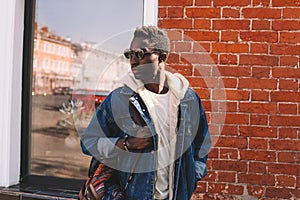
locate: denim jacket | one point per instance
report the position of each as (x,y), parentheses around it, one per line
(112,121)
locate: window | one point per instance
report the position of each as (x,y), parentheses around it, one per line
(75,51)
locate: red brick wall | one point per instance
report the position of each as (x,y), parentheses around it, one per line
(242,58)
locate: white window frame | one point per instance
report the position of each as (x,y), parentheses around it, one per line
(11,49)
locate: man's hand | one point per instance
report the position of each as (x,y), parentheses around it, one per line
(142,140)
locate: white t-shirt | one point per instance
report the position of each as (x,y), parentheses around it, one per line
(158,106)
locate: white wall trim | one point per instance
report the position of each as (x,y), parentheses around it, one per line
(150,12)
(11,50)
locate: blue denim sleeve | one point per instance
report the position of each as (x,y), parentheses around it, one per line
(99,138)
(202,143)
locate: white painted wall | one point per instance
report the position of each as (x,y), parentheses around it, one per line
(11,48)
(150,12)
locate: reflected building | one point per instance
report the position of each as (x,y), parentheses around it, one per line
(53,62)
(58,62)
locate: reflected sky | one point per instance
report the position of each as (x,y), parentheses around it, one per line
(89,20)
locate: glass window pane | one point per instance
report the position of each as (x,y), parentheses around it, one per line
(78,59)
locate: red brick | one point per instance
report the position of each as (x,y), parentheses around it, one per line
(203,12)
(211,176)
(230,13)
(252,131)
(259,48)
(201,187)
(285,121)
(256,179)
(287,157)
(231,24)
(203,93)
(259,36)
(287,109)
(258,155)
(201,47)
(214,153)
(202,23)
(286,72)
(282,193)
(261,72)
(231,95)
(230,118)
(287,133)
(285,3)
(284,96)
(185,70)
(261,25)
(231,71)
(175,12)
(290,37)
(258,119)
(203,2)
(201,35)
(175,35)
(196,58)
(227,36)
(175,3)
(285,49)
(228,83)
(257,83)
(196,82)
(255,191)
(257,167)
(259,60)
(229,165)
(183,46)
(228,59)
(225,188)
(263,13)
(175,23)
(288,60)
(259,95)
(279,25)
(285,181)
(258,143)
(292,145)
(261,2)
(173,58)
(230,48)
(232,3)
(291,12)
(229,130)
(228,153)
(226,177)
(162,12)
(201,70)
(260,108)
(235,142)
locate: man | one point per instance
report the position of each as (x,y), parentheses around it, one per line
(153,130)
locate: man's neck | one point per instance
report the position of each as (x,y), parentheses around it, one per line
(153,87)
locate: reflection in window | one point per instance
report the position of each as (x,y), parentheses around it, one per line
(72,73)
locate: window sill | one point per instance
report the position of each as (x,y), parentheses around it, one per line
(37,187)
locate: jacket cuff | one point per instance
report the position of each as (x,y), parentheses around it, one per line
(106,147)
(201,170)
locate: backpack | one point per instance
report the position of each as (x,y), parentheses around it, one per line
(101,184)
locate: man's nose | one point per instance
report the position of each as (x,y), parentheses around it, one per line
(134,60)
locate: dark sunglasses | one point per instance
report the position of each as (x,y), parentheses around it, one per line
(140,53)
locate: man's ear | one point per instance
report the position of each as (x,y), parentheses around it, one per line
(162,57)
